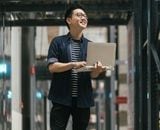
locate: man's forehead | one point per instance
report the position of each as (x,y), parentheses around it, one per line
(78,10)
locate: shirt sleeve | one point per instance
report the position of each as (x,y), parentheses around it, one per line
(52,53)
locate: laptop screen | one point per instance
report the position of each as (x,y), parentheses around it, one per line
(103,52)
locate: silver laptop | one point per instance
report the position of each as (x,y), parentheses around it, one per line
(103,52)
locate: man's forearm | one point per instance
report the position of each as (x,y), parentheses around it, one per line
(60,67)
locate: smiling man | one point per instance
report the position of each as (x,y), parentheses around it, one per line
(71,92)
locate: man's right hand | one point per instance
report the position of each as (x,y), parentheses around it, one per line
(77,65)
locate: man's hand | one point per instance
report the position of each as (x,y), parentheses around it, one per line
(98,69)
(77,65)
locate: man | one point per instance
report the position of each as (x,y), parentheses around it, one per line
(71,92)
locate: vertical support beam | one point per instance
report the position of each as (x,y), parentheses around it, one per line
(28,78)
(153,66)
(143,91)
(149,5)
(112,103)
(16,78)
(107,103)
(25,80)
(32,76)
(114,121)
(138,90)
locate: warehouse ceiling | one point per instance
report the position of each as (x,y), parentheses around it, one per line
(51,12)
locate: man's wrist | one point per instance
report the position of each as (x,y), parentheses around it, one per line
(72,65)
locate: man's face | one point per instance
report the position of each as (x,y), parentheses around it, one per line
(78,19)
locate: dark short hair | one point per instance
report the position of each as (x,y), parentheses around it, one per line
(70,9)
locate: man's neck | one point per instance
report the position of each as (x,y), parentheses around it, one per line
(76,35)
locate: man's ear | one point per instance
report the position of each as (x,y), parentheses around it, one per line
(68,20)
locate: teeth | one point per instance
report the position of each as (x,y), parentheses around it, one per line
(83,22)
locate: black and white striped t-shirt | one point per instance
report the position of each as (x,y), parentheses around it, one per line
(75,49)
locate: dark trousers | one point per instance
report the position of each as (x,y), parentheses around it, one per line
(60,115)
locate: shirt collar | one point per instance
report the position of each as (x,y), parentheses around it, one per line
(69,37)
